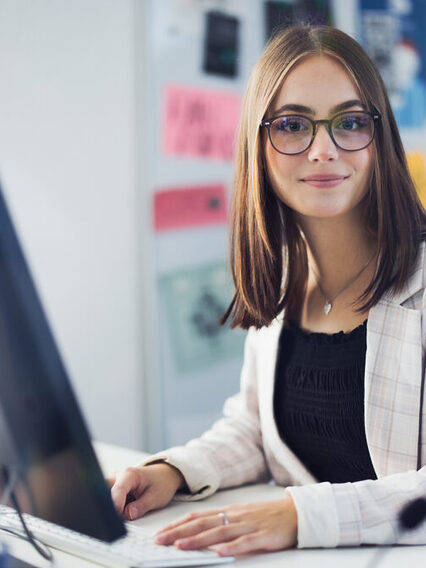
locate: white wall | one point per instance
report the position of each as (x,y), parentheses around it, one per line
(67,163)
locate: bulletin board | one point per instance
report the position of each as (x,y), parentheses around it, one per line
(200,58)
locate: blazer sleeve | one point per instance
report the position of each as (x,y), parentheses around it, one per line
(230,453)
(363,512)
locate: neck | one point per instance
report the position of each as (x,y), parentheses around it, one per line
(337,249)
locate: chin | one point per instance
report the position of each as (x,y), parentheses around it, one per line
(325,211)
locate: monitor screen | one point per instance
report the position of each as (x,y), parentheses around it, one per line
(44,441)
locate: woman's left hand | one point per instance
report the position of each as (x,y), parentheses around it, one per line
(265,526)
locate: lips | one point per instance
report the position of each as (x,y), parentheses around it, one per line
(324,177)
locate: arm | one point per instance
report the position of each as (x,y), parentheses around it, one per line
(227,455)
(364,512)
(230,453)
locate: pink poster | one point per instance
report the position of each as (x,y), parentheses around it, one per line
(199,122)
(187,207)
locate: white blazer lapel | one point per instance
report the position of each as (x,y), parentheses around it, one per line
(393,375)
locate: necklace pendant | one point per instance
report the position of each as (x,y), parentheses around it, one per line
(327,307)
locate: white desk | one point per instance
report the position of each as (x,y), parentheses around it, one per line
(113,458)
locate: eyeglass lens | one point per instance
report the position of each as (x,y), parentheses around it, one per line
(293,134)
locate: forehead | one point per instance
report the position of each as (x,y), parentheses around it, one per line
(319,82)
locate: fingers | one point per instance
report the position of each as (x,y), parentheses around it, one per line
(210,537)
(110,480)
(187,528)
(128,484)
(204,531)
(190,517)
(201,533)
(139,507)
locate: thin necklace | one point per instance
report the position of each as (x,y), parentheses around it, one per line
(329,301)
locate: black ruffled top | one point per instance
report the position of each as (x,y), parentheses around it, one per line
(319,402)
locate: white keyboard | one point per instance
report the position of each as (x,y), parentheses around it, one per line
(136,549)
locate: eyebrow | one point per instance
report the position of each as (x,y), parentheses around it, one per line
(307,110)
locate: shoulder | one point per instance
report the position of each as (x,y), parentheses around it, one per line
(413,295)
(266,336)
(417,282)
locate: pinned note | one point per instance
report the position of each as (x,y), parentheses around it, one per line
(195,299)
(417,167)
(189,207)
(199,122)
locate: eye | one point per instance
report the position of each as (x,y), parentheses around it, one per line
(291,125)
(352,122)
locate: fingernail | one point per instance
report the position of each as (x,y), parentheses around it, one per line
(222,550)
(160,538)
(182,543)
(132,512)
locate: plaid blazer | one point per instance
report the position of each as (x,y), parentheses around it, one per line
(245,447)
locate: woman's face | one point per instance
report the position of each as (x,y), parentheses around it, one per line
(319,83)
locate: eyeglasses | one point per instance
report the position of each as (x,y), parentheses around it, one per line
(293,134)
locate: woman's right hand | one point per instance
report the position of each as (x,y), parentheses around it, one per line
(137,490)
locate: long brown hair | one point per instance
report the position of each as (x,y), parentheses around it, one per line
(267,252)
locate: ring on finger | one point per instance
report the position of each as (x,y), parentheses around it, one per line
(224,517)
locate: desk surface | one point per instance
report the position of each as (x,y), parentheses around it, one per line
(113,458)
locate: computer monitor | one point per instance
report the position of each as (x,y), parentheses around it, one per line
(44,442)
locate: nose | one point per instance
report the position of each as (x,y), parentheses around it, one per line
(322,149)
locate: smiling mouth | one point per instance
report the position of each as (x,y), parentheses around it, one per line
(325,182)
(324,178)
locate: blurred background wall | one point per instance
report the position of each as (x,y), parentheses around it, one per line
(68,167)
(116,141)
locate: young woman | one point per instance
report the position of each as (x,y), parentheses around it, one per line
(328,262)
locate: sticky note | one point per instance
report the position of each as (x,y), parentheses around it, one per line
(199,122)
(417,167)
(189,206)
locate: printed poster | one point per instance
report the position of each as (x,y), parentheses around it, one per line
(200,123)
(394,36)
(195,299)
